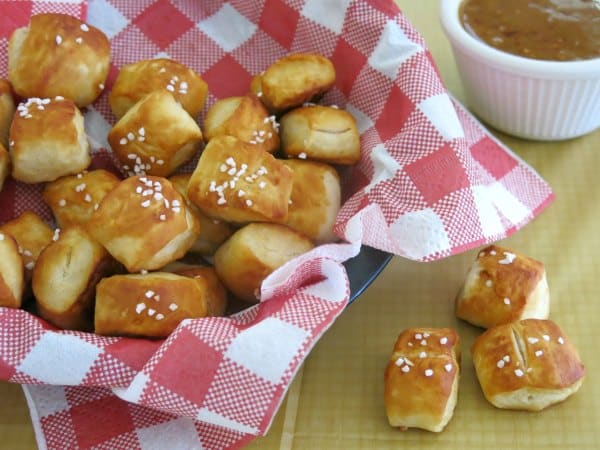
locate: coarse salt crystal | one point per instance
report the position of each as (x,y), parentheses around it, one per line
(58,39)
(422,355)
(500,364)
(560,340)
(130,136)
(488,283)
(78,40)
(302,155)
(140,307)
(519,373)
(62,202)
(160,316)
(84,27)
(170,88)
(145,203)
(399,361)
(444,340)
(173,307)
(428,372)
(162,217)
(418,336)
(448,367)
(405,369)
(506,301)
(533,340)
(149,294)
(546,337)
(539,353)
(508,258)
(151,312)
(123,141)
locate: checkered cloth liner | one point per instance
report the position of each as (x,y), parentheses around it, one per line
(432,182)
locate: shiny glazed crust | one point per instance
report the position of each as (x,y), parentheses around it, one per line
(529,365)
(236,183)
(65,278)
(137,80)
(294,80)
(503,286)
(245,118)
(7,110)
(421,379)
(144,223)
(254,252)
(321,133)
(315,200)
(150,305)
(74,198)
(57,54)
(49,141)
(155,136)
(11,273)
(32,235)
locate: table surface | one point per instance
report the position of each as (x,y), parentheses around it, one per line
(336,401)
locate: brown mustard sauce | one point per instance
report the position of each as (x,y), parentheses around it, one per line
(556,30)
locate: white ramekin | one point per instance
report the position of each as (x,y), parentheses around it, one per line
(528,98)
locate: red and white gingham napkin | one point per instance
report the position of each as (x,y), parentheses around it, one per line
(431,182)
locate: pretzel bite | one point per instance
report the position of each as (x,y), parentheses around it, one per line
(58,55)
(245,118)
(155,136)
(528,365)
(140,78)
(212,231)
(48,140)
(150,305)
(32,235)
(144,223)
(216,300)
(503,286)
(4,165)
(315,201)
(254,252)
(65,278)
(323,133)
(236,183)
(74,198)
(11,273)
(294,80)
(421,379)
(7,110)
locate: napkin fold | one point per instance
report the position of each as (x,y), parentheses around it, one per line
(431,183)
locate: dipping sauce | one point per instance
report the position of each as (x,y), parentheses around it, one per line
(556,30)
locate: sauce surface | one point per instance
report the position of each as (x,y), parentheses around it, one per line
(557,30)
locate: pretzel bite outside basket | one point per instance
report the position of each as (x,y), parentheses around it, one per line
(155,136)
(245,118)
(421,379)
(7,110)
(11,273)
(58,54)
(48,140)
(315,200)
(527,365)
(144,223)
(254,252)
(237,183)
(293,80)
(213,232)
(503,286)
(65,278)
(74,198)
(32,235)
(149,305)
(4,165)
(137,80)
(322,133)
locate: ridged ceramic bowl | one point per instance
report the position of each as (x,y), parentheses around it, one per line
(528,98)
